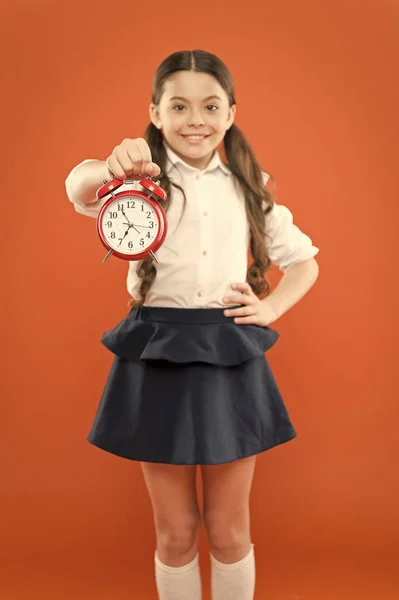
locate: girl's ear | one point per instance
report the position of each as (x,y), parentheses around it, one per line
(154,116)
(232,115)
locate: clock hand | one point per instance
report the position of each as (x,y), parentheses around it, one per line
(124,214)
(128,222)
(131,225)
(126,232)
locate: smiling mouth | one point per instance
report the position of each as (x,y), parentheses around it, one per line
(195,137)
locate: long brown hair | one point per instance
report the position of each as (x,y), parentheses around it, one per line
(240,159)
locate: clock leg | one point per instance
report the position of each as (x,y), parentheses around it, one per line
(153,256)
(107,256)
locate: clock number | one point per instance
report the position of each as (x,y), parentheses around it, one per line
(113,235)
(148,214)
(149,234)
(142,242)
(151,224)
(130,244)
(120,207)
(131,204)
(109,223)
(113,215)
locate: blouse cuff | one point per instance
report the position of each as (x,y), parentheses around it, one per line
(287,245)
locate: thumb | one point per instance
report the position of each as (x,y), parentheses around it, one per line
(153,170)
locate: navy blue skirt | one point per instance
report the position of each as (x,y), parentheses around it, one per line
(189,387)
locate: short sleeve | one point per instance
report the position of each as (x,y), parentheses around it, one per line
(286,243)
(265,177)
(89,210)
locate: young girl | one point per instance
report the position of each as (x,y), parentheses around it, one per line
(190,384)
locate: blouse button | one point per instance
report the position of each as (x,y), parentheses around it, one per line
(205,253)
(199,294)
(205,214)
(197,177)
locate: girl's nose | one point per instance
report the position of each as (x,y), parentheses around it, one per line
(196,119)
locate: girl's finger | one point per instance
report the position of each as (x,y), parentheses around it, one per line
(148,167)
(251,319)
(115,167)
(135,158)
(240,299)
(145,151)
(152,170)
(243,311)
(245,288)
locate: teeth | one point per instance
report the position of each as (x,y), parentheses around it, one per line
(195,137)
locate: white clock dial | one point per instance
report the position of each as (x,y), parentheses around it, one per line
(130,225)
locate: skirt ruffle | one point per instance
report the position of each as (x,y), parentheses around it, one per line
(185,339)
(189,386)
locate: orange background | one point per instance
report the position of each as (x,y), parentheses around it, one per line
(318,99)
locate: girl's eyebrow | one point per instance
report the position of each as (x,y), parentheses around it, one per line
(185,99)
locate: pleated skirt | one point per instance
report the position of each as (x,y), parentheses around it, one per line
(189,387)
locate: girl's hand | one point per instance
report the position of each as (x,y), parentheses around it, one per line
(132,160)
(254,311)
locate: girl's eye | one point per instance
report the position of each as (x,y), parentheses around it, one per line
(210,107)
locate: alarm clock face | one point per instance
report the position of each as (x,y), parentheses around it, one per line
(130,224)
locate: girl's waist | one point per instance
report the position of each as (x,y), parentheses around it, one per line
(181,315)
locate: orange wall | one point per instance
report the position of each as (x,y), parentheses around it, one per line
(318,101)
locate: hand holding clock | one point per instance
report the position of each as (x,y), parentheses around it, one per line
(132,160)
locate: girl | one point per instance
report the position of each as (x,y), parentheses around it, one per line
(189,384)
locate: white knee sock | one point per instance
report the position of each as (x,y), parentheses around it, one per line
(235,581)
(178,583)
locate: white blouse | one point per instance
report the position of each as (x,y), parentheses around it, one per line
(208,251)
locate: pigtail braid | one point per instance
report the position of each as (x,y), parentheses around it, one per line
(146,269)
(258,203)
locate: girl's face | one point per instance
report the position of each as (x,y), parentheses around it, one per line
(194,115)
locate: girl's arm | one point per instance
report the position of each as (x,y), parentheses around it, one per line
(293,252)
(82,183)
(84,180)
(295,283)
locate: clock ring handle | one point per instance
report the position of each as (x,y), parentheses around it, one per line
(110,185)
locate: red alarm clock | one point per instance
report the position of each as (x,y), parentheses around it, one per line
(132,224)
